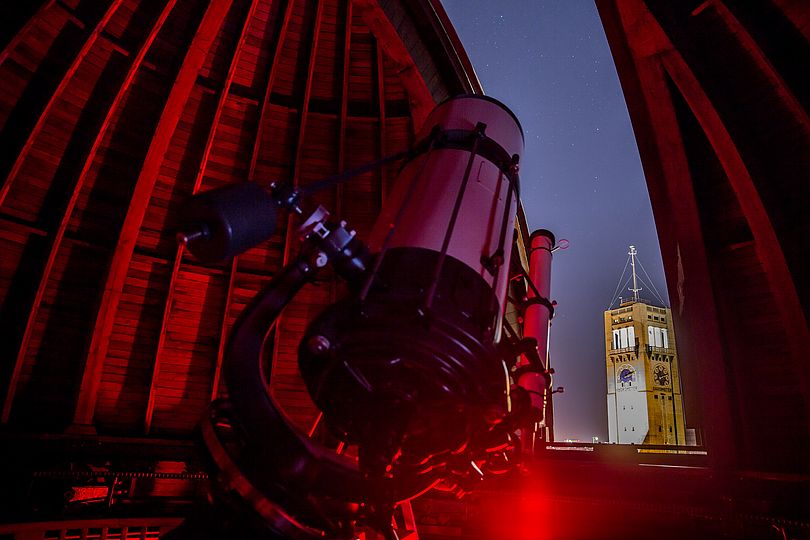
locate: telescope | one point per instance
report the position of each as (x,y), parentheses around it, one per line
(411,369)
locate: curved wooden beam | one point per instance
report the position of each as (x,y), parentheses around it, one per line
(421,99)
(57,94)
(674,207)
(378,53)
(196,53)
(271,79)
(254,156)
(304,113)
(766,243)
(178,256)
(23,33)
(749,44)
(795,11)
(344,103)
(302,124)
(656,59)
(56,240)
(455,49)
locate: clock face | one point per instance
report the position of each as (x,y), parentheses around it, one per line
(626,374)
(661,375)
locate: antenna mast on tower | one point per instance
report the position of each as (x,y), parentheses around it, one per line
(635,288)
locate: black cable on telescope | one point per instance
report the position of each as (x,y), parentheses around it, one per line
(339,178)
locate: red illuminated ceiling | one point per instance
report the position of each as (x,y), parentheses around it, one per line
(114,113)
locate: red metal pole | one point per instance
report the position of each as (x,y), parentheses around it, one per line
(536,317)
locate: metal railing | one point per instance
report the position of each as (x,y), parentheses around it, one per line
(624,349)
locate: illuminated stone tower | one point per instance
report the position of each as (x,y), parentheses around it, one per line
(644,399)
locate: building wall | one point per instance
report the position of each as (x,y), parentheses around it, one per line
(645,404)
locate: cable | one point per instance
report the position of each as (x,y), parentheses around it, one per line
(615,293)
(651,285)
(626,283)
(618,296)
(644,283)
(341,177)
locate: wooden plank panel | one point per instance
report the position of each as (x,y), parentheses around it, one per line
(326,85)
(58,234)
(131,19)
(122,393)
(290,68)
(277,144)
(394,91)
(361,81)
(345,60)
(291,334)
(307,118)
(14,240)
(25,32)
(379,73)
(178,172)
(319,155)
(63,136)
(362,195)
(55,95)
(228,42)
(292,396)
(256,57)
(107,182)
(66,212)
(266,253)
(229,154)
(127,238)
(399,137)
(187,359)
(53,358)
(243,289)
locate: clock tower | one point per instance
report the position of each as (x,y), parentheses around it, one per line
(644,400)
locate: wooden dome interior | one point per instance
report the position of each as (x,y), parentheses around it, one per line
(112,115)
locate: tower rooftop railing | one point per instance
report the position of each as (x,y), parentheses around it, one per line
(639,300)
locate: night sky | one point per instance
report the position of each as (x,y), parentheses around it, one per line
(581,176)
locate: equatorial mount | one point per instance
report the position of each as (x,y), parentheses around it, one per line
(408,370)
